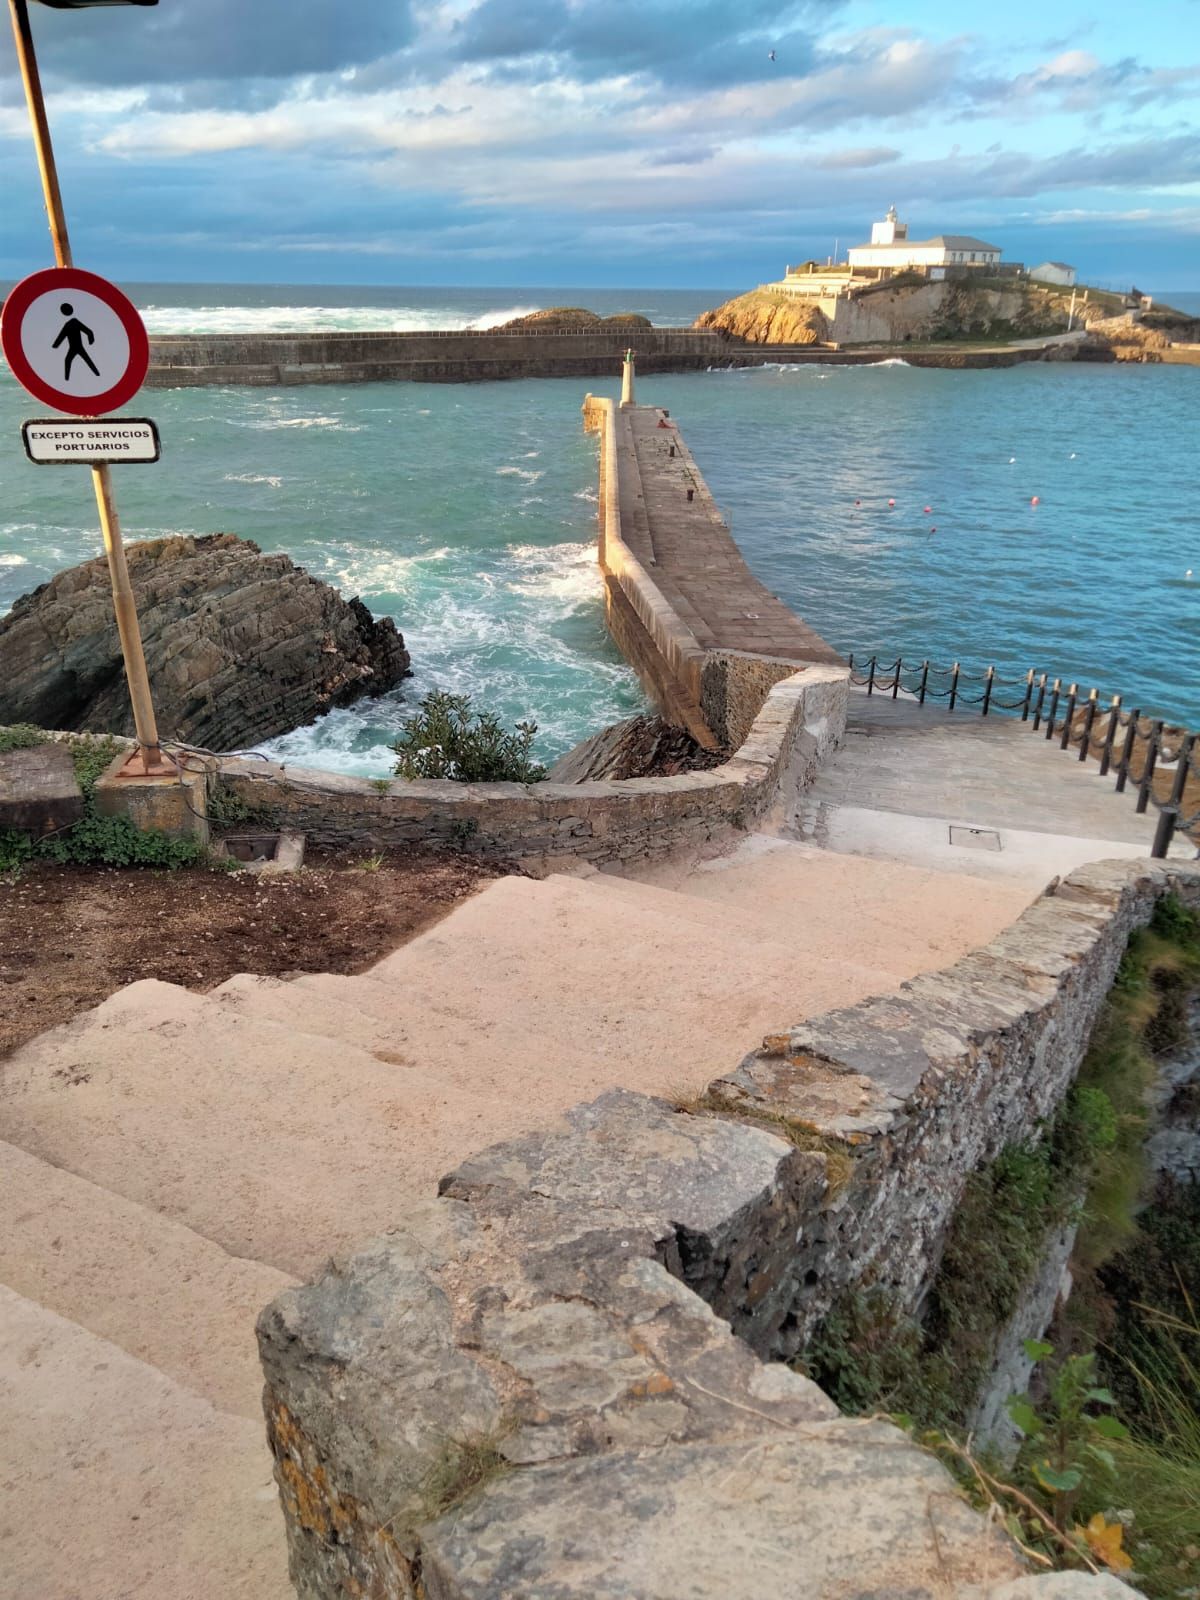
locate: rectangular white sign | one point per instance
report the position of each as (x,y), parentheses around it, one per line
(56,441)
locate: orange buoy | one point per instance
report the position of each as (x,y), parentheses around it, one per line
(1036,501)
(928,509)
(891,502)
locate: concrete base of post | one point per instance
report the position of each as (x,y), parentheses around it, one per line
(176,804)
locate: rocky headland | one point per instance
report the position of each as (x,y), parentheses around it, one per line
(240,646)
(908,307)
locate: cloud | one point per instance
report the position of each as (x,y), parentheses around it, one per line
(840,160)
(186,40)
(671,41)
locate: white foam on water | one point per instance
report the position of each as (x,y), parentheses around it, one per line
(167,319)
(269,424)
(12,559)
(252,477)
(526,474)
(890,361)
(564,576)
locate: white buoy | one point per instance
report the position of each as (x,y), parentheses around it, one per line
(1012,461)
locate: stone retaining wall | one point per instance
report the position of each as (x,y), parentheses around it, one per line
(552,1382)
(798,725)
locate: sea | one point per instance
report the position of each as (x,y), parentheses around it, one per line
(1043,516)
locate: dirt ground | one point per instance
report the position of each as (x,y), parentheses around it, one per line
(70,936)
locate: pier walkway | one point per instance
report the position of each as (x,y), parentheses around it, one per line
(705,636)
(690,552)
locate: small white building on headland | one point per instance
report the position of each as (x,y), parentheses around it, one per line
(892,250)
(1054,272)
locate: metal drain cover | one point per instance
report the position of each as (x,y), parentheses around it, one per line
(974,838)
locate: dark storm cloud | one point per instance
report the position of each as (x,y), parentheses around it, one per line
(702,42)
(183,40)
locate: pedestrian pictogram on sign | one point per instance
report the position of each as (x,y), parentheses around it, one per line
(74,341)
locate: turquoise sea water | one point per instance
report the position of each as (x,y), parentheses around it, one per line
(467,512)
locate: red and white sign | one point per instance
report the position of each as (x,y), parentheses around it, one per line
(74,341)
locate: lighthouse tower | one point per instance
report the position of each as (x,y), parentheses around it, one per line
(890,230)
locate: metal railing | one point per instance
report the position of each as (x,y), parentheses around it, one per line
(1161,759)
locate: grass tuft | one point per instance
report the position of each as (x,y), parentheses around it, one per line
(461,1467)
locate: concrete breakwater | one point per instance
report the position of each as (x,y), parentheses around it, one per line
(285,359)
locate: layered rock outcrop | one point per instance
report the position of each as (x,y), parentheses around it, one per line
(639,747)
(240,646)
(763,318)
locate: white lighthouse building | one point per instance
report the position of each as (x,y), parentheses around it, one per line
(891,249)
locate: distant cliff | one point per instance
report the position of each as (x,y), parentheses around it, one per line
(896,311)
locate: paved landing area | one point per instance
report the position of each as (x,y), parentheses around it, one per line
(690,553)
(906,774)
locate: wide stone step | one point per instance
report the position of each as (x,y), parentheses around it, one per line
(159,1291)
(275,1144)
(561,989)
(122,1484)
(885,916)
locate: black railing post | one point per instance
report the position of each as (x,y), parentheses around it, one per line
(896,679)
(953,687)
(1028,695)
(1053,707)
(1037,710)
(1147,778)
(924,681)
(1088,718)
(1069,718)
(1114,717)
(987,690)
(851,663)
(871,676)
(1127,749)
(1164,831)
(1187,745)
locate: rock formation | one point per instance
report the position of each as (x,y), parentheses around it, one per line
(240,646)
(763,318)
(575,317)
(639,747)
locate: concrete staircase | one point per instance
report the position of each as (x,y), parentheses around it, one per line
(172,1160)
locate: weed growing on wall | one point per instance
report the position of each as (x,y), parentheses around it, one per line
(447,739)
(1117,1426)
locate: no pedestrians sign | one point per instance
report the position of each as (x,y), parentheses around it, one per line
(74,341)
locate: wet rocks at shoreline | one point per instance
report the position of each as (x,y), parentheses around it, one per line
(240,646)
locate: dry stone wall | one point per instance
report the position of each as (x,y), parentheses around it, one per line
(798,725)
(551,1381)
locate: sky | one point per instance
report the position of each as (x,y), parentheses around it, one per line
(649,143)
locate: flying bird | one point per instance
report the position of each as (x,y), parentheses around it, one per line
(770,55)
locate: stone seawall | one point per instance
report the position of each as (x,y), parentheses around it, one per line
(554,1379)
(797,726)
(285,359)
(451,357)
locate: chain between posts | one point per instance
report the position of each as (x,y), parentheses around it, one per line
(1106,733)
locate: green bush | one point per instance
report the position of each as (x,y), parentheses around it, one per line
(446,739)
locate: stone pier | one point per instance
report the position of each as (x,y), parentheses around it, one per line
(705,636)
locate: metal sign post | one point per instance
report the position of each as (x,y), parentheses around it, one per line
(123,602)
